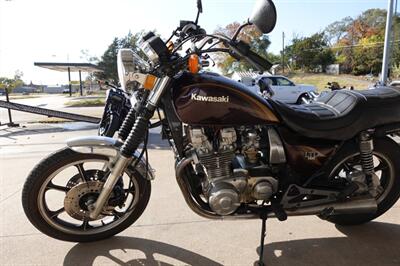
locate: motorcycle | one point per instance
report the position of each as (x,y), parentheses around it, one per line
(118,103)
(238,155)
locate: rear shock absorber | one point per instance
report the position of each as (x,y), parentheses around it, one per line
(366,149)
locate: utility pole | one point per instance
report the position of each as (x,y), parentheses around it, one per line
(386,51)
(283,52)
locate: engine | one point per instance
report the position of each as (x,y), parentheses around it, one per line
(235,165)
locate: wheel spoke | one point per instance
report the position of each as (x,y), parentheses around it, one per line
(85,225)
(51,185)
(347,167)
(117,214)
(82,172)
(380,167)
(57,212)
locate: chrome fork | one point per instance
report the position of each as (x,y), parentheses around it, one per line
(129,147)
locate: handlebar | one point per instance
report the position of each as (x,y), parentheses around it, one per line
(243,49)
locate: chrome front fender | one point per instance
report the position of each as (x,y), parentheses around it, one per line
(108,147)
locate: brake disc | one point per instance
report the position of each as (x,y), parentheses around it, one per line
(79,196)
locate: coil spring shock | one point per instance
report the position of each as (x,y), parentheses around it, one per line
(367,159)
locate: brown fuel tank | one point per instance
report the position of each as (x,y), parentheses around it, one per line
(210,99)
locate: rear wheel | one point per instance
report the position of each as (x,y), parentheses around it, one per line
(387,168)
(57,192)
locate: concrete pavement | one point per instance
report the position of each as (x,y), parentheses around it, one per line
(168,233)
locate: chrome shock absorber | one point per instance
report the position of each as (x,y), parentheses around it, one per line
(366,146)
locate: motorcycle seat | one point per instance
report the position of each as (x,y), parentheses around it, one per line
(340,115)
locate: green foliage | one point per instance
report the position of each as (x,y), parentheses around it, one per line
(258,42)
(310,52)
(108,61)
(358,43)
(10,84)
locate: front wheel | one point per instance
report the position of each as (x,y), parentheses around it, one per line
(387,167)
(57,192)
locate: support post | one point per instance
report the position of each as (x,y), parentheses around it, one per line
(283,52)
(80,83)
(69,82)
(386,51)
(10,123)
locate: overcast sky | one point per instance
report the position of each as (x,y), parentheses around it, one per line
(57,30)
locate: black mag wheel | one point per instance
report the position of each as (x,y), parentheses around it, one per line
(387,167)
(57,191)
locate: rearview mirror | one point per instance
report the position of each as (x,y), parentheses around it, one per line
(199,6)
(264,16)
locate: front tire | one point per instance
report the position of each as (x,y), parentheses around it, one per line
(389,151)
(64,222)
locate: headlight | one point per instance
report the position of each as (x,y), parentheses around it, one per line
(129,62)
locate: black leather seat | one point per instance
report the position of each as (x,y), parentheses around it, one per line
(340,115)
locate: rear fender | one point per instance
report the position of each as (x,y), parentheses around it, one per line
(108,147)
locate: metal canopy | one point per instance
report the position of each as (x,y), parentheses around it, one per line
(72,67)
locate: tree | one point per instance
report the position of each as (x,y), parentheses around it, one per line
(359,45)
(258,42)
(309,53)
(108,61)
(10,84)
(336,30)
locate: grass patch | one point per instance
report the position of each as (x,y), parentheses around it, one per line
(86,103)
(320,80)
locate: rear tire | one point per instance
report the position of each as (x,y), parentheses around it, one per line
(391,151)
(57,228)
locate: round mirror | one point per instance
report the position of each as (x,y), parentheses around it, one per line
(264,16)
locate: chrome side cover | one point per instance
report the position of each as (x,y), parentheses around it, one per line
(108,147)
(276,150)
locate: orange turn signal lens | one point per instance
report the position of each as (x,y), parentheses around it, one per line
(194,63)
(150,82)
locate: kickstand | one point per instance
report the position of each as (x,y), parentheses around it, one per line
(263,217)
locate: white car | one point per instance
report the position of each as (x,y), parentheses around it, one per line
(283,89)
(395,83)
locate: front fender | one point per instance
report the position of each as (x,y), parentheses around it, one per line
(108,147)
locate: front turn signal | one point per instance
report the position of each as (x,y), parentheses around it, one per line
(194,63)
(149,82)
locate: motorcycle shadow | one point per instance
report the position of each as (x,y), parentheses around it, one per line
(370,244)
(133,251)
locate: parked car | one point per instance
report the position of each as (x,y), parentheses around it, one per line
(395,83)
(283,89)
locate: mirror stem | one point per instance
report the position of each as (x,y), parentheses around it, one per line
(239,30)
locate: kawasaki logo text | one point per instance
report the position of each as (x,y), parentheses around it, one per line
(212,99)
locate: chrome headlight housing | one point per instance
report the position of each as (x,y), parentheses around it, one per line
(128,62)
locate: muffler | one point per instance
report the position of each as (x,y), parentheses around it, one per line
(335,208)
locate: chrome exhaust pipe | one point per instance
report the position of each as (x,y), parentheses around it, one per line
(193,205)
(335,208)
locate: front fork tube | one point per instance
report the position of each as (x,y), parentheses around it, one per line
(129,146)
(116,171)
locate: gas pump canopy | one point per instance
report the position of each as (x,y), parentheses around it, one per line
(70,67)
